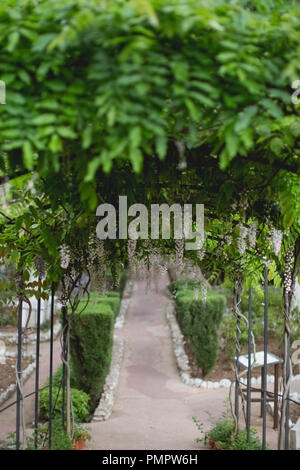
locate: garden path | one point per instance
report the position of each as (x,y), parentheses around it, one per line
(153,409)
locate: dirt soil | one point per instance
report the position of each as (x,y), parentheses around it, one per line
(8,372)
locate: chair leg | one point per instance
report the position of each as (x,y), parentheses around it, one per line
(276,374)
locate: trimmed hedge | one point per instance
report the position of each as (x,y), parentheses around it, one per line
(113,299)
(91,340)
(199,321)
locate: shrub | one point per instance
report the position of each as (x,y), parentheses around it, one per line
(113,299)
(60,439)
(220,436)
(80,402)
(199,322)
(91,339)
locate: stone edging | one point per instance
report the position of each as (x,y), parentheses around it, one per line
(12,388)
(105,406)
(104,409)
(12,338)
(183,362)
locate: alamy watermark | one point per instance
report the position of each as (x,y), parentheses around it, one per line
(184,227)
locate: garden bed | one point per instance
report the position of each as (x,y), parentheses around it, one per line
(8,372)
(224,367)
(8,375)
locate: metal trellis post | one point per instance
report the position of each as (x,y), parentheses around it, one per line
(264,384)
(37,371)
(237,355)
(51,365)
(249,365)
(19,375)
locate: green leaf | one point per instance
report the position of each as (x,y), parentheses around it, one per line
(136,158)
(87,137)
(194,111)
(161,144)
(28,155)
(244,118)
(24,76)
(55,144)
(232,142)
(276,145)
(66,132)
(44,119)
(135,136)
(93,166)
(13,40)
(273,108)
(43,41)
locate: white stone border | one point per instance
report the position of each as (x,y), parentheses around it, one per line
(106,403)
(104,409)
(12,388)
(12,338)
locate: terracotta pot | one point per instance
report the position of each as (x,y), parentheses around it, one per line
(78,444)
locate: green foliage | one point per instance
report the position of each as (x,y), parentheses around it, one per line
(60,439)
(7,319)
(199,322)
(201,72)
(111,299)
(80,401)
(220,436)
(275,320)
(91,340)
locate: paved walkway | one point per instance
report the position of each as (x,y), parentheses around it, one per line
(153,408)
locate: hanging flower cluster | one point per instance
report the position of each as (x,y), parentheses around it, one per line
(252,234)
(287,275)
(276,236)
(241,241)
(228,239)
(65,257)
(40,267)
